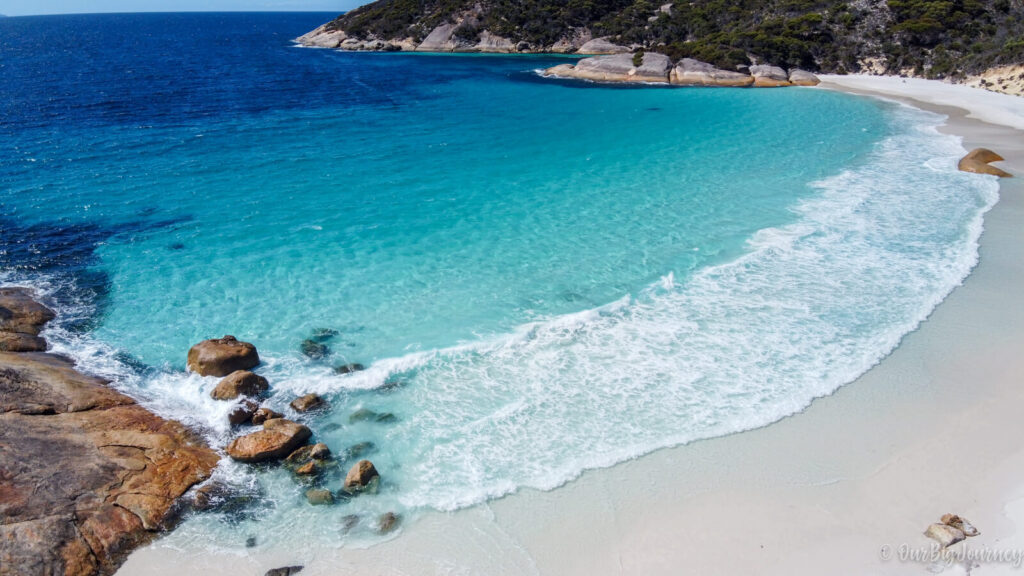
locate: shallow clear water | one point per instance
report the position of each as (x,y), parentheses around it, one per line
(550,276)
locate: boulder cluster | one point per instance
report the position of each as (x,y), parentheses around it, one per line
(951,529)
(277,439)
(654,68)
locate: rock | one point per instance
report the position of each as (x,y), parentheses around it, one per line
(348,522)
(250,542)
(222,356)
(572,41)
(799,77)
(360,475)
(388,522)
(278,439)
(323,334)
(310,468)
(960,524)
(349,368)
(90,478)
(21,342)
(944,535)
(313,349)
(321,37)
(977,161)
(307,403)
(439,39)
(616,68)
(263,414)
(769,76)
(20,313)
(493,43)
(365,414)
(360,449)
(243,413)
(286,571)
(690,72)
(308,460)
(319,497)
(601,46)
(320,451)
(240,383)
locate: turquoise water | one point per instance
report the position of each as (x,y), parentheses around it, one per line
(548,276)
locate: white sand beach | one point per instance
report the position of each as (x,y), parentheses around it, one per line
(846,487)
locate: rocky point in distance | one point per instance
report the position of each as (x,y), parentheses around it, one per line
(977,42)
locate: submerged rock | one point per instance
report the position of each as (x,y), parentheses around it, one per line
(769,76)
(314,350)
(944,534)
(240,383)
(319,497)
(222,356)
(286,571)
(388,522)
(360,449)
(977,161)
(367,415)
(307,403)
(278,438)
(349,368)
(690,72)
(360,476)
(348,522)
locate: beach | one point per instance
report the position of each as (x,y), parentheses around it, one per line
(846,487)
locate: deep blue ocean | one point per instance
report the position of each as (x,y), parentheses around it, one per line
(541,276)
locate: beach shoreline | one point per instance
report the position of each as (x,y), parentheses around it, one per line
(855,477)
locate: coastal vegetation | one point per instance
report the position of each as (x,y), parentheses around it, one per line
(930,38)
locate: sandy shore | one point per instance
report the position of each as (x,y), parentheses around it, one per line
(846,487)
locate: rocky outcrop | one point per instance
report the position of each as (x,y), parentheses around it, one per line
(278,438)
(601,46)
(690,72)
(321,37)
(222,356)
(617,68)
(977,161)
(360,476)
(240,383)
(799,77)
(657,68)
(243,413)
(21,320)
(769,76)
(86,474)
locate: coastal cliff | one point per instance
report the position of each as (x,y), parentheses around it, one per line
(86,474)
(973,41)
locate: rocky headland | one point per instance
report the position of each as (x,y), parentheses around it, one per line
(86,474)
(978,43)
